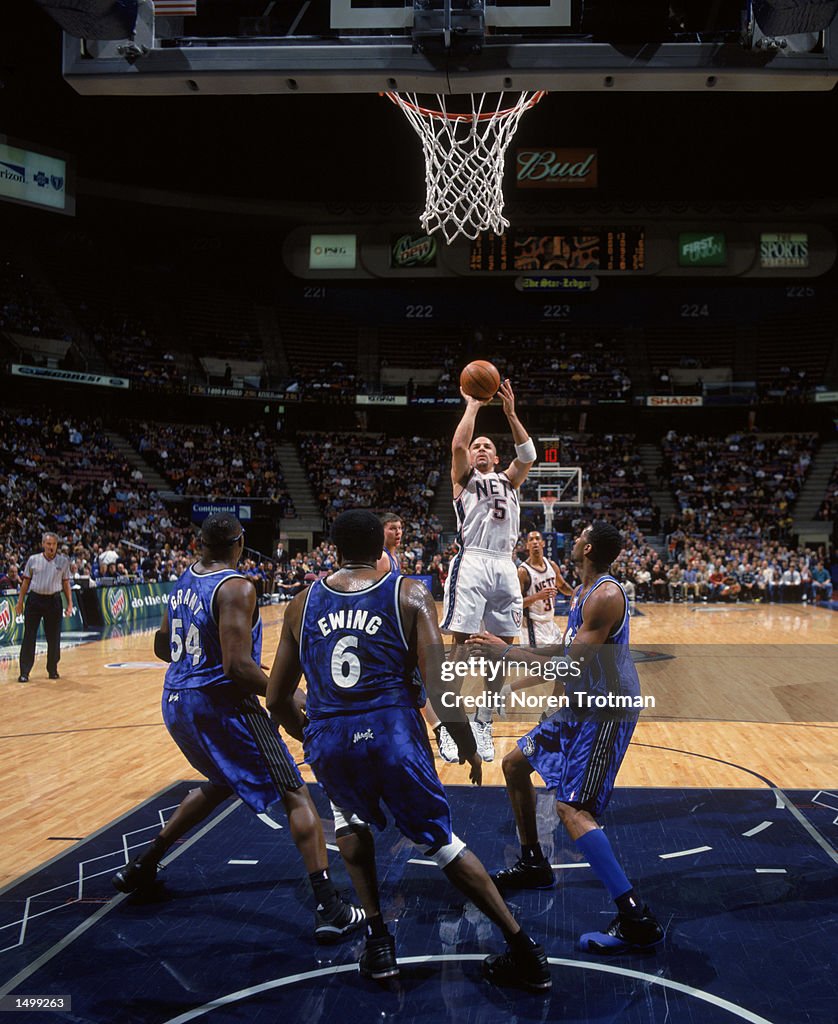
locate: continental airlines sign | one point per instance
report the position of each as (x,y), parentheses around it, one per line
(544,167)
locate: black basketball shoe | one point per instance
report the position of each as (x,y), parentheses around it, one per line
(134,876)
(525,876)
(523,969)
(348,918)
(379,958)
(625,935)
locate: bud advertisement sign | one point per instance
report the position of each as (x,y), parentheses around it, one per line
(702,249)
(413,251)
(545,167)
(785,250)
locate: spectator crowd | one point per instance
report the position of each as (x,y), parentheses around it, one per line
(729,539)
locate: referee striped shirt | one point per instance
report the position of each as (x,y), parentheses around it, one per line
(47,574)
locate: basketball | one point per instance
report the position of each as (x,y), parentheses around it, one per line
(480,379)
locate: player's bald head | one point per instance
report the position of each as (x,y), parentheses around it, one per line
(358,535)
(220,532)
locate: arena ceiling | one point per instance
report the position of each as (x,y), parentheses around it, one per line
(356,147)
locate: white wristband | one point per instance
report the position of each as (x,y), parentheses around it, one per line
(526,451)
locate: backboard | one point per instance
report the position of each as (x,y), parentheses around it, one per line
(457,47)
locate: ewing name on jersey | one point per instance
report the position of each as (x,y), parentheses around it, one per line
(193,631)
(488,514)
(352,650)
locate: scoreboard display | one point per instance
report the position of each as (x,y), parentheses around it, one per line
(560,250)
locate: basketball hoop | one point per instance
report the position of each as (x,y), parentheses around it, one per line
(548,501)
(464,158)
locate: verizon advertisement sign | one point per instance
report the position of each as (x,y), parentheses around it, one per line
(556,168)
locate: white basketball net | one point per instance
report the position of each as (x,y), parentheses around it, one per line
(464,158)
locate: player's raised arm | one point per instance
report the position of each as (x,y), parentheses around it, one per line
(235,603)
(518,469)
(460,463)
(286,673)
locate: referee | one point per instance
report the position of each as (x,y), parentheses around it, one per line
(45,576)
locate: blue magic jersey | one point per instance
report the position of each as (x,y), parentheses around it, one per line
(354,652)
(194,641)
(611,670)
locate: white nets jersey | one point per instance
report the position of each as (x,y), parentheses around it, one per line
(488,514)
(540,611)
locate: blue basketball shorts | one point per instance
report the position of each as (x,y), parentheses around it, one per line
(380,757)
(579,758)
(228,737)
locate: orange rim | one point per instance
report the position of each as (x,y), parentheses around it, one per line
(442,115)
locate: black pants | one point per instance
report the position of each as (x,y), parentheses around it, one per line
(49,608)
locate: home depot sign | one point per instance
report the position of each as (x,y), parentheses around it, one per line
(555,168)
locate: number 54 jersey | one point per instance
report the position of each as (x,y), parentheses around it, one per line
(354,652)
(194,641)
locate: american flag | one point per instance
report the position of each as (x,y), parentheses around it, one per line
(175,8)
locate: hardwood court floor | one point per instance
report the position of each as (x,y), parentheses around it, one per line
(77,753)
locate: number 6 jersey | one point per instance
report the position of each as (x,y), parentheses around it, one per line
(193,631)
(354,652)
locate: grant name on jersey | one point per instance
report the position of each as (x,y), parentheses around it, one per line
(188,598)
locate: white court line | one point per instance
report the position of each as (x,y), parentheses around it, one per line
(684,853)
(758,828)
(652,979)
(804,821)
(824,803)
(556,867)
(242,861)
(54,950)
(771,871)
(268,820)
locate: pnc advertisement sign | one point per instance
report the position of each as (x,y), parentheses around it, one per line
(546,167)
(702,249)
(332,252)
